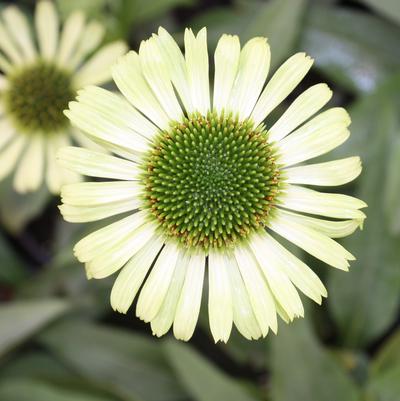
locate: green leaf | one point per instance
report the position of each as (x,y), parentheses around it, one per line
(278,20)
(388,356)
(12,268)
(364,302)
(129,365)
(21,319)
(355,49)
(388,8)
(35,390)
(303,370)
(90,7)
(203,381)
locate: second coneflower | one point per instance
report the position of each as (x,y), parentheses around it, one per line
(208,183)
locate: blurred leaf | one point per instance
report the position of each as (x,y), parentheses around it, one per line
(12,268)
(278,20)
(16,210)
(365,301)
(388,8)
(388,356)
(127,364)
(355,49)
(21,319)
(34,390)
(202,380)
(90,7)
(303,370)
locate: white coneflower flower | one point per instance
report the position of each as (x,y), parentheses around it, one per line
(207,182)
(36,85)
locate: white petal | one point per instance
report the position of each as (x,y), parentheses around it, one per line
(252,72)
(97,164)
(108,261)
(155,288)
(176,65)
(324,204)
(3,86)
(118,108)
(7,132)
(70,36)
(5,64)
(19,28)
(305,106)
(92,35)
(165,316)
(312,241)
(243,315)
(320,135)
(102,127)
(107,237)
(220,306)
(8,46)
(188,307)
(260,295)
(332,229)
(297,271)
(29,174)
(196,57)
(97,70)
(128,76)
(156,73)
(84,141)
(226,60)
(285,79)
(98,193)
(284,292)
(47,25)
(10,154)
(336,172)
(133,274)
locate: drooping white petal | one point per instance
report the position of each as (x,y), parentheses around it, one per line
(108,261)
(226,60)
(133,274)
(118,108)
(29,174)
(252,72)
(196,57)
(188,307)
(285,79)
(220,305)
(332,229)
(259,293)
(47,26)
(7,132)
(97,70)
(305,106)
(104,128)
(128,76)
(107,237)
(70,36)
(97,164)
(10,154)
(8,47)
(156,73)
(92,36)
(297,271)
(18,27)
(176,65)
(324,204)
(84,141)
(314,242)
(333,173)
(320,135)
(156,286)
(243,314)
(165,316)
(282,288)
(98,193)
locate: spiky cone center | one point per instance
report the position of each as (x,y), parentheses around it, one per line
(36,97)
(211,181)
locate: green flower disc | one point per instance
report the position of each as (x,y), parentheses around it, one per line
(211,181)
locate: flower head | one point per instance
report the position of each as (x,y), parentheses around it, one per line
(208,184)
(36,85)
